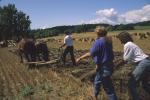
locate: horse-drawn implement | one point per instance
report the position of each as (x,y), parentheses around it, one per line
(56,60)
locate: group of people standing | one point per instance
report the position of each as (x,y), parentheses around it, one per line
(103,56)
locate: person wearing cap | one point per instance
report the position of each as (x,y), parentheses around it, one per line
(134,54)
(102,54)
(68,42)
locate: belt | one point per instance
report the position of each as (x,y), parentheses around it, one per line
(148,58)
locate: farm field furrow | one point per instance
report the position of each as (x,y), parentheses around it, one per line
(58,82)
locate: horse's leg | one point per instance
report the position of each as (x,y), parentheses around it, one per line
(21,56)
(27,57)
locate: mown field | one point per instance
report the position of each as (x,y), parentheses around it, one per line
(57,82)
(86,45)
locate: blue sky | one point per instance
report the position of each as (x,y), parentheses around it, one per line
(49,13)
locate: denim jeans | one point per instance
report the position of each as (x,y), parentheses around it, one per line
(140,74)
(103,77)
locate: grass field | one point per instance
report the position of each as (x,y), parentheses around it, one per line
(142,27)
(57,82)
(143,43)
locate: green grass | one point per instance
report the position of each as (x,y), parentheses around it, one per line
(27,91)
(142,27)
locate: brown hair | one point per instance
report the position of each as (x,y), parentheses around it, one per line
(101,31)
(125,37)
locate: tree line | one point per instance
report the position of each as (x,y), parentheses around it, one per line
(54,31)
(13,23)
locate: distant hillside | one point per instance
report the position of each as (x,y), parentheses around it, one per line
(144,23)
(141,25)
(54,31)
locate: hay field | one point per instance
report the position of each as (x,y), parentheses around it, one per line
(57,82)
(78,45)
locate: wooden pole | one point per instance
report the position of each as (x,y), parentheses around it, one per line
(87,74)
(43,63)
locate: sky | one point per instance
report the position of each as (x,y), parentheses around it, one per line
(50,13)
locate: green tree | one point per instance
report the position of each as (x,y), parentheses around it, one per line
(13,22)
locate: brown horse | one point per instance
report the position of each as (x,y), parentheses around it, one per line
(27,48)
(31,51)
(42,49)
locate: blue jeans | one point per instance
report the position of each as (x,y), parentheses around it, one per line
(103,77)
(140,74)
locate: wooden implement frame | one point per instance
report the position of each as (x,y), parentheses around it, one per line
(43,62)
(87,74)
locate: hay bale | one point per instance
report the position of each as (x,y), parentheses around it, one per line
(142,36)
(148,33)
(92,40)
(135,34)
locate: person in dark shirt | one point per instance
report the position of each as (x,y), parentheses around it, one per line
(102,54)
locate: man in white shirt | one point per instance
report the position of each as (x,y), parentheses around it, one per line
(133,54)
(68,42)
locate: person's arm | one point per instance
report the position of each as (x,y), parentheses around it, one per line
(91,53)
(83,56)
(64,43)
(95,49)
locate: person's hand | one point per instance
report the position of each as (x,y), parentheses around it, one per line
(96,68)
(77,60)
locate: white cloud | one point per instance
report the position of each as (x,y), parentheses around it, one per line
(111,16)
(139,15)
(107,12)
(102,20)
